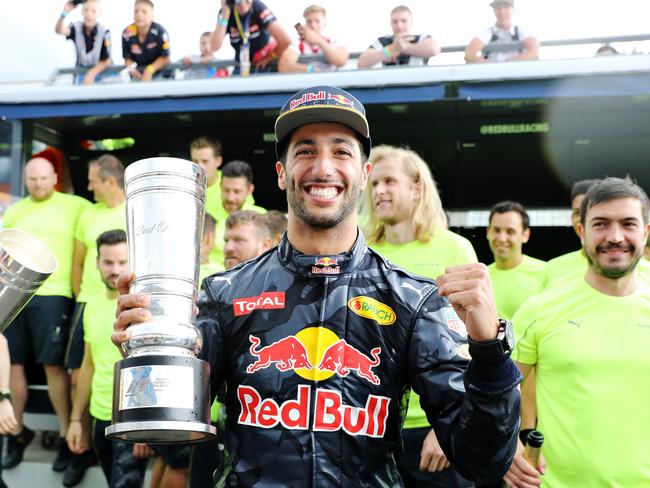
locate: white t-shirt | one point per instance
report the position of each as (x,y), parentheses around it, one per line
(304,48)
(514,34)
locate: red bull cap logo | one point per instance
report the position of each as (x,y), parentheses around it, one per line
(340,99)
(269,300)
(314,353)
(326,265)
(307,97)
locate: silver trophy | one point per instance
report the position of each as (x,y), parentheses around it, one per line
(161,391)
(25,263)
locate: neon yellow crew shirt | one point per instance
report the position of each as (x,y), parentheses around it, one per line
(514,286)
(52,221)
(429,259)
(93,222)
(216,255)
(574,265)
(99,315)
(592,359)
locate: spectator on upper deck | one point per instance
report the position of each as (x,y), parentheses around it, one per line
(503,31)
(145,43)
(255,35)
(401,48)
(312,41)
(196,62)
(92,40)
(606,50)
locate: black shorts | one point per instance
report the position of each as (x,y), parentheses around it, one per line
(74,353)
(41,331)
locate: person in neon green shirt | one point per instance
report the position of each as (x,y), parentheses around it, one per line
(206,151)
(43,325)
(572,262)
(587,341)
(236,188)
(515,276)
(404,221)
(123,463)
(208,267)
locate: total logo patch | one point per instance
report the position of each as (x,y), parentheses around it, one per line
(269,300)
(370,308)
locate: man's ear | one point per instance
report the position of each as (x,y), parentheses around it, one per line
(525,236)
(279,168)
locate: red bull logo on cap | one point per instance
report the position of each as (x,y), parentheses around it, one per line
(372,309)
(340,99)
(326,265)
(307,97)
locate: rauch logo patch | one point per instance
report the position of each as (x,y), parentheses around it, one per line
(372,309)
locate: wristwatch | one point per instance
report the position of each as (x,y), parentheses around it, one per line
(496,348)
(5,395)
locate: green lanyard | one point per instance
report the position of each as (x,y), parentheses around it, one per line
(244,34)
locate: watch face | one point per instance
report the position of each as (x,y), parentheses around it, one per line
(509,334)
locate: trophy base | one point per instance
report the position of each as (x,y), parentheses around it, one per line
(160,399)
(161,432)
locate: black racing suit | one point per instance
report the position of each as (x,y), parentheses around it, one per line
(317,353)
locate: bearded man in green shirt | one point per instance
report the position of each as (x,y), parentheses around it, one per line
(587,340)
(42,327)
(404,221)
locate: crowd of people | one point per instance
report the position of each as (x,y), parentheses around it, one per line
(263,44)
(581,320)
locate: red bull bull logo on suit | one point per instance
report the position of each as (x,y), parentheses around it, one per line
(314,353)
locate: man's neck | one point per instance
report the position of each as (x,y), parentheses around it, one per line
(114,199)
(509,262)
(319,241)
(400,233)
(616,287)
(42,199)
(505,27)
(112,294)
(89,27)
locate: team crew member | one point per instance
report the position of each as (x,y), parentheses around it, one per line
(248,234)
(588,342)
(515,276)
(207,243)
(405,223)
(314,381)
(255,34)
(92,40)
(206,151)
(278,224)
(236,190)
(402,47)
(123,463)
(503,31)
(145,43)
(43,325)
(575,262)
(8,423)
(312,41)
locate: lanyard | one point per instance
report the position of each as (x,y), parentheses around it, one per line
(243,32)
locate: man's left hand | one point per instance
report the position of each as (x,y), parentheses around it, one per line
(469,290)
(432,459)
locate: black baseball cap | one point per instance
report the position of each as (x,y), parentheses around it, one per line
(321,104)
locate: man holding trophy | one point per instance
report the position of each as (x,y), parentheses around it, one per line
(319,339)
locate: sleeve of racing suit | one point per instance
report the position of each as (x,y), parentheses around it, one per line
(473,408)
(212,349)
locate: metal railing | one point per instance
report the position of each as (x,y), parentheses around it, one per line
(170,69)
